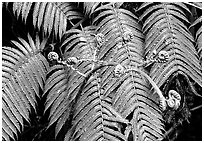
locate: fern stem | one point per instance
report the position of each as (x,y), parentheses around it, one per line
(80,22)
(170,131)
(193,5)
(71,23)
(196,108)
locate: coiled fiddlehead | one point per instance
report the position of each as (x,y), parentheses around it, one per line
(53,56)
(173,100)
(163,57)
(119,69)
(100,39)
(127,36)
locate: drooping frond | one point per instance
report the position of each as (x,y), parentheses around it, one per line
(61,89)
(113,23)
(63,85)
(56,91)
(117,24)
(94,119)
(80,43)
(49,16)
(23,75)
(135,97)
(130,95)
(165,29)
(198,37)
(89,7)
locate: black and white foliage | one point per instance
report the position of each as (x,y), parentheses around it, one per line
(102,71)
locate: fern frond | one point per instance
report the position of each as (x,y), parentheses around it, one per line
(56,90)
(131,93)
(147,127)
(89,7)
(49,16)
(76,43)
(24,71)
(165,30)
(11,125)
(198,37)
(62,88)
(113,23)
(81,43)
(93,118)
(134,96)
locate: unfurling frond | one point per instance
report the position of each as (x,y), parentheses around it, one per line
(129,93)
(111,72)
(64,83)
(165,26)
(53,56)
(24,71)
(174,99)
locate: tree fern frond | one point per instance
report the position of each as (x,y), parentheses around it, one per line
(136,98)
(23,76)
(107,63)
(61,88)
(5,136)
(60,114)
(148,129)
(49,16)
(159,14)
(25,10)
(198,37)
(55,86)
(7,129)
(131,92)
(18,101)
(115,23)
(167,31)
(199,43)
(22,8)
(92,116)
(182,6)
(81,43)
(17,8)
(12,104)
(89,7)
(10,121)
